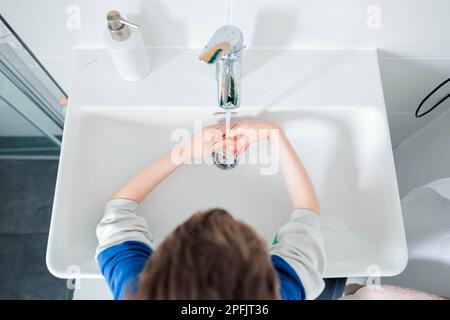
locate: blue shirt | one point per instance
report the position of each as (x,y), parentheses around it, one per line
(121,265)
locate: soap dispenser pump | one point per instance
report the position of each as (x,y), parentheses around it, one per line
(126,47)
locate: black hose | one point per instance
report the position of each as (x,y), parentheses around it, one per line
(417,114)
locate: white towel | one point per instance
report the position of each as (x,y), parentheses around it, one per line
(427,225)
(441,186)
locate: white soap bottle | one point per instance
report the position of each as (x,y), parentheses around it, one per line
(126,48)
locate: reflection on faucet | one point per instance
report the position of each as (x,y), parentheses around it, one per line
(225,50)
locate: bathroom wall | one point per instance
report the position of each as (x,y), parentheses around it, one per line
(409,33)
(425,156)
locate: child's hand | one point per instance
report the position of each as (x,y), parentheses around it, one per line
(249,131)
(201,143)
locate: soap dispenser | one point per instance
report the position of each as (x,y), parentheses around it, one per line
(126,47)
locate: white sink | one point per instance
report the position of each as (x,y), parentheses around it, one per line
(345,148)
(346,151)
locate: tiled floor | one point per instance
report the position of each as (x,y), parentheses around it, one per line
(26,196)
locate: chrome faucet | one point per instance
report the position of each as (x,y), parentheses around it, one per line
(225,50)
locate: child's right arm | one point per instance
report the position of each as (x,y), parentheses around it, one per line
(298,253)
(298,183)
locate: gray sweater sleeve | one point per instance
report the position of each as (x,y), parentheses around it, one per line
(300,243)
(121,223)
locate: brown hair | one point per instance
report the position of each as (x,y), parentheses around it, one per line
(210,256)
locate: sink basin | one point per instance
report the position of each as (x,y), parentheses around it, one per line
(346,150)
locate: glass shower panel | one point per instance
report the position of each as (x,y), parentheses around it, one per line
(31,113)
(20,138)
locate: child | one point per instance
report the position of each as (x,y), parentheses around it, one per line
(211,255)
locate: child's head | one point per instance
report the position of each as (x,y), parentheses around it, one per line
(210,256)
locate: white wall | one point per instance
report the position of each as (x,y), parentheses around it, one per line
(425,156)
(406,81)
(412,35)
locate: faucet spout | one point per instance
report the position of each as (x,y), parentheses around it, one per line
(225,50)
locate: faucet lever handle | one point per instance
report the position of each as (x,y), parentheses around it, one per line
(211,54)
(227,40)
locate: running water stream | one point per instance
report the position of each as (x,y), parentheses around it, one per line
(227,122)
(221,158)
(227,129)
